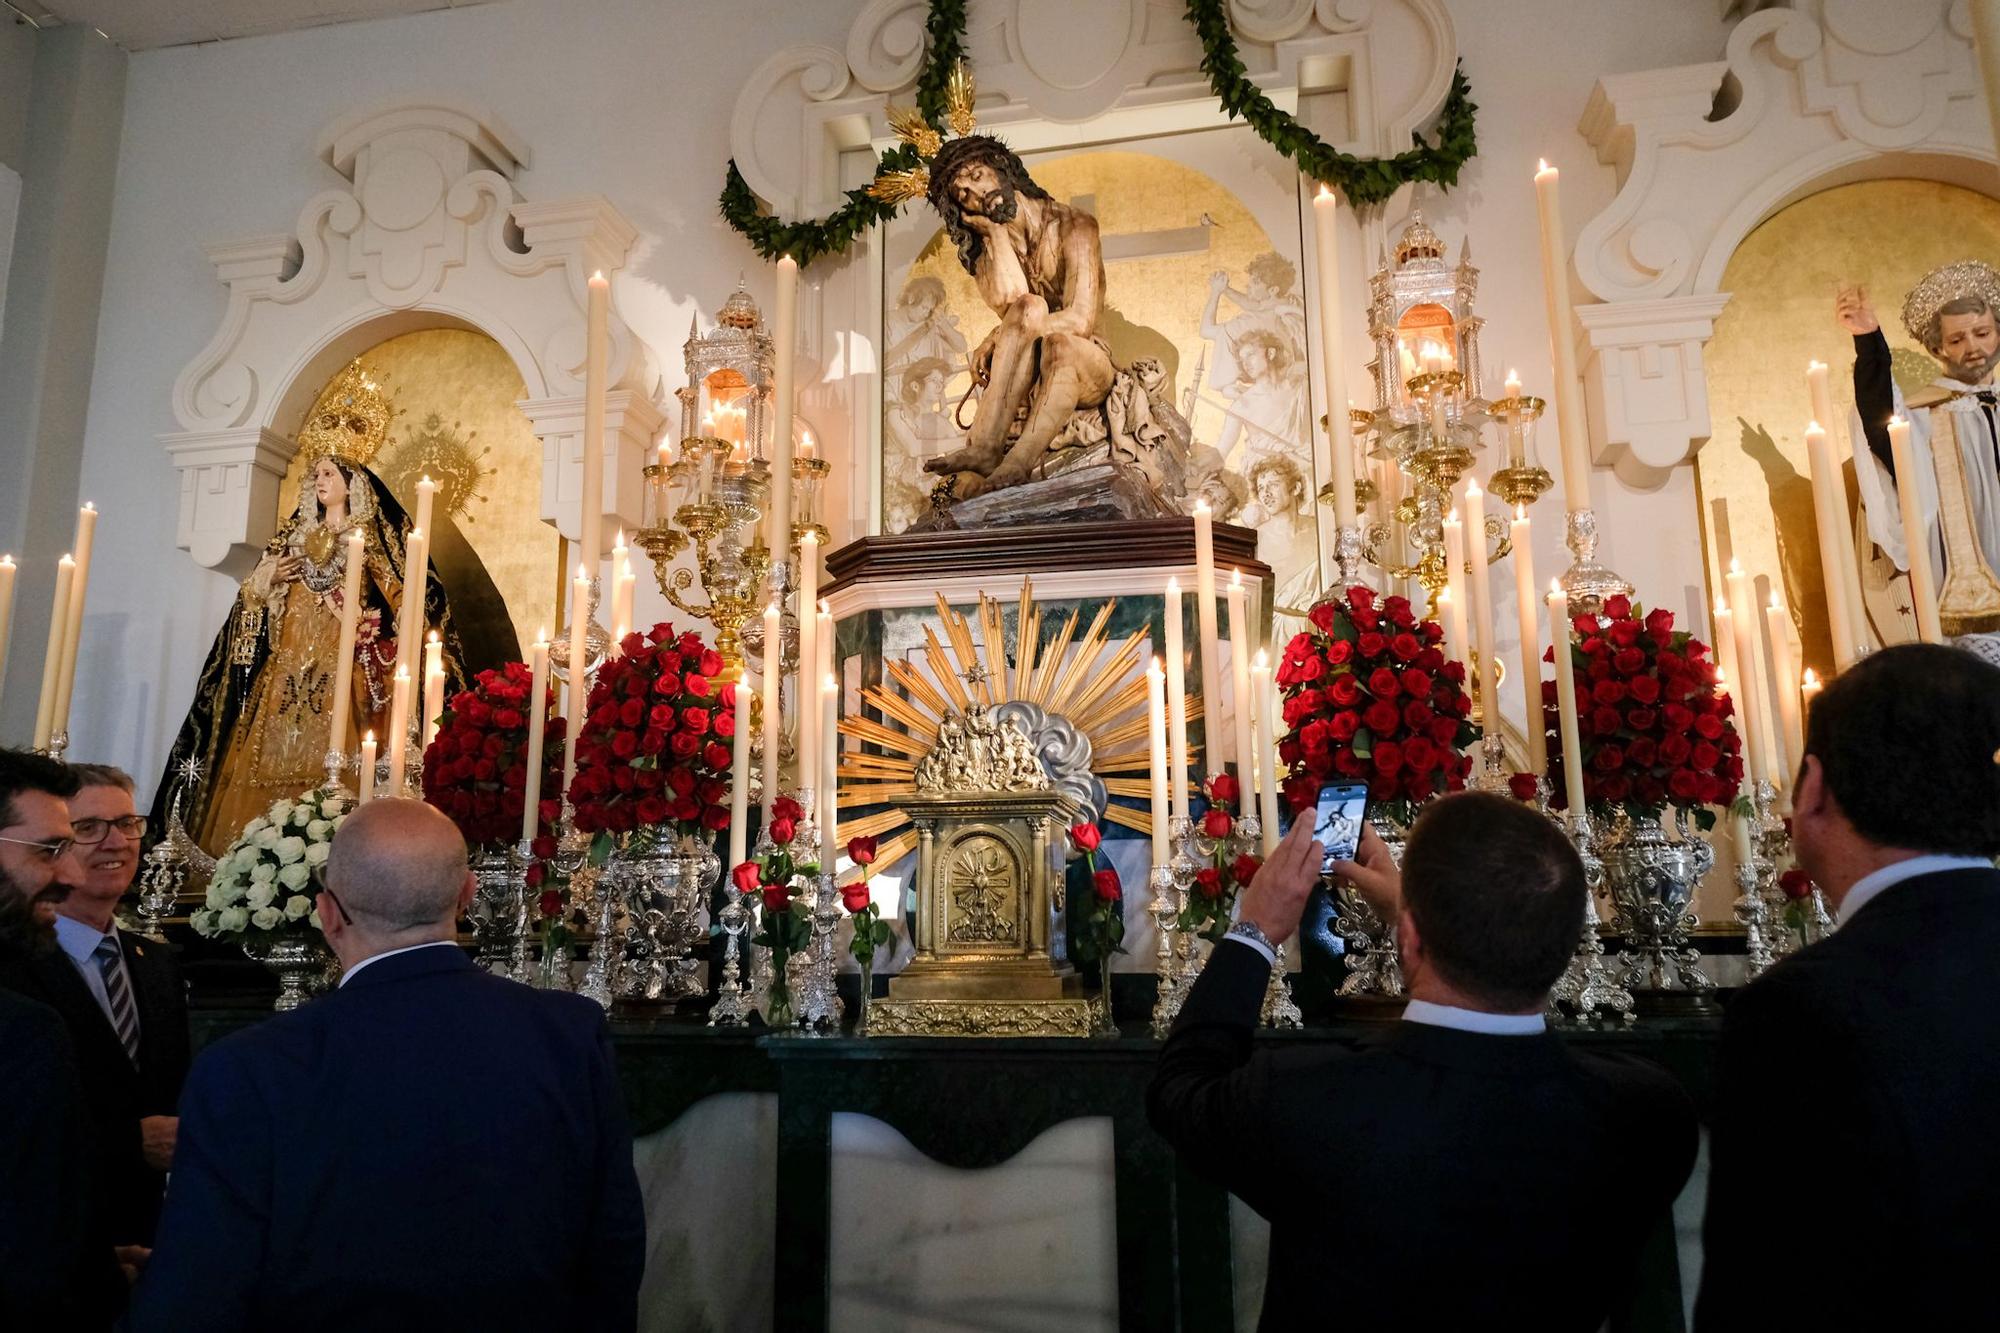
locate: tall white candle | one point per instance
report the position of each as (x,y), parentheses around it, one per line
(366,786)
(1156,757)
(807,744)
(1830,517)
(426,492)
(579,679)
(399,729)
(1452,597)
(826,735)
(1749,673)
(774,677)
(1238,600)
(596,381)
(1726,669)
(433,687)
(1264,710)
(829,780)
(1340,430)
(739,776)
(1481,610)
(45,706)
(86,530)
(410,616)
(1213,756)
(1916,535)
(621,588)
(1809,688)
(1572,429)
(350,623)
(1177,739)
(1567,723)
(785,339)
(1785,685)
(1525,590)
(538,708)
(6,609)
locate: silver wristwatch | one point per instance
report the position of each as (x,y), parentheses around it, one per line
(1251,931)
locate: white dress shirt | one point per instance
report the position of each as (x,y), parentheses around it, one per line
(1473,1020)
(1866,889)
(355,971)
(79,942)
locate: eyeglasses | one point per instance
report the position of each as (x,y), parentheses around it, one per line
(90,832)
(338,906)
(51,852)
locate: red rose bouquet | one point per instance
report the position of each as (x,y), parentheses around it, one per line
(654,752)
(1654,729)
(773,879)
(1370,697)
(1230,862)
(476,769)
(1097,925)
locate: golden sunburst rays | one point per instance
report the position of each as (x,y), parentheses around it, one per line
(1069,668)
(959,94)
(893,187)
(908,123)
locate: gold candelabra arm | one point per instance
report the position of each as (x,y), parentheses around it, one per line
(671,587)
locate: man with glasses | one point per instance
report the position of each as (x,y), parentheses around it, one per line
(57,1268)
(122,999)
(428,1147)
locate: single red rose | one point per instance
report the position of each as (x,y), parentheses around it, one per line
(854,897)
(1604,721)
(685,808)
(1344,692)
(699,686)
(1388,756)
(1708,726)
(1341,726)
(1617,606)
(1641,719)
(1417,715)
(1796,884)
(1244,868)
(1383,683)
(624,745)
(1105,882)
(1371,645)
(783,831)
(1322,615)
(1704,757)
(1419,755)
(1521,786)
(1405,646)
(662,716)
(1208,882)
(715,818)
(1628,662)
(1643,752)
(1659,619)
(777,899)
(551,903)
(695,720)
(1338,652)
(861,851)
(717,756)
(1432,632)
(725,724)
(1443,730)
(1216,823)
(630,712)
(1382,716)
(508,719)
(1623,633)
(1608,692)
(1644,689)
(1608,759)
(1684,785)
(685,744)
(786,807)
(1674,750)
(1417,682)
(747,876)
(1223,789)
(1453,671)
(1311,669)
(709,663)
(652,810)
(1361,597)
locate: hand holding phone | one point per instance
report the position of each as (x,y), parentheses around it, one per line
(1338,819)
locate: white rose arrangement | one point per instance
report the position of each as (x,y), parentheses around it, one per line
(267,879)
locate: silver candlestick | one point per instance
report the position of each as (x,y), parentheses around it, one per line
(1586,582)
(732,1002)
(1492,774)
(604,948)
(520,958)
(1181,871)
(1163,910)
(1280,1010)
(1588,985)
(817,1003)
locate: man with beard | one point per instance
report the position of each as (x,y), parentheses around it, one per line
(1952,314)
(122,1000)
(1039,265)
(56,1262)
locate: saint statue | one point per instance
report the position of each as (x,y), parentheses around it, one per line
(1952,314)
(259,725)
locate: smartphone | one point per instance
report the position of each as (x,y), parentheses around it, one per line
(1337,823)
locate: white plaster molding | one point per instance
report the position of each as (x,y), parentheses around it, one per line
(632,428)
(429,232)
(1646,384)
(1818,94)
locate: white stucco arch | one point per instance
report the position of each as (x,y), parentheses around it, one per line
(429,233)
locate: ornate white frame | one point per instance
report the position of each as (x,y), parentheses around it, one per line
(1805,98)
(809,122)
(428,232)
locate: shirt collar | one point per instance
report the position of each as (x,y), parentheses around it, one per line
(1473,1020)
(78,940)
(355,971)
(1870,885)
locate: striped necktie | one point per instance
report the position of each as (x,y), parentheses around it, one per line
(118,992)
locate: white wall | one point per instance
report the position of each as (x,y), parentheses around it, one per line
(630,98)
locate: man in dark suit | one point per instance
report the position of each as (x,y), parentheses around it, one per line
(56,1260)
(428,1147)
(122,1000)
(1853,1126)
(1469,1170)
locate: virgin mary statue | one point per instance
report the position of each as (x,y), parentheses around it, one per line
(258,729)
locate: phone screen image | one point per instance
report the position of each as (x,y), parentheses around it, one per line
(1337,823)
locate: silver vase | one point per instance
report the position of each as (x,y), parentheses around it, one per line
(491,911)
(305,967)
(664,886)
(1651,876)
(1372,965)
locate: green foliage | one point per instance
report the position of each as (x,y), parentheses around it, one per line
(1364,180)
(814,238)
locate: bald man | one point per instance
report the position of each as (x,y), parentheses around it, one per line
(428,1147)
